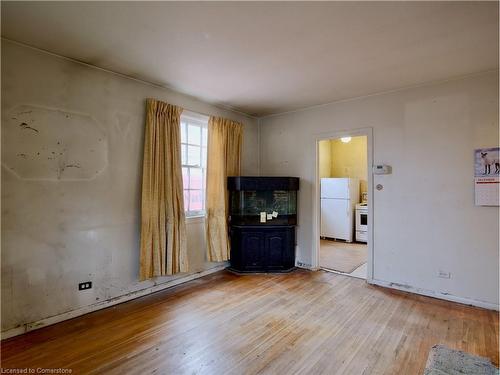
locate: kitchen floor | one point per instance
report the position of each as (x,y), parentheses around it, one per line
(348,258)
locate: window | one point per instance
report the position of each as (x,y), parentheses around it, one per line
(194,133)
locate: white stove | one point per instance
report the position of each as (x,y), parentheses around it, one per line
(362,222)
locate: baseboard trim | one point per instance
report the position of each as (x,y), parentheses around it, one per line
(439,295)
(27,327)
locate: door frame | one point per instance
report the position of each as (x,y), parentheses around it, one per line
(368,132)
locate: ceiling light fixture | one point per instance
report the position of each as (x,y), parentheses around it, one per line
(346,139)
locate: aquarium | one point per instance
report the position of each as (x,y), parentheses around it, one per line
(263,200)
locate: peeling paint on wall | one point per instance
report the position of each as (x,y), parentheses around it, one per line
(53,144)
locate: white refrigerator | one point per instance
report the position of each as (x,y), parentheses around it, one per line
(338,200)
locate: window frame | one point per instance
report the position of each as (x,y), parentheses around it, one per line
(201,121)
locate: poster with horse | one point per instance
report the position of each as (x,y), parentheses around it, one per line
(487,176)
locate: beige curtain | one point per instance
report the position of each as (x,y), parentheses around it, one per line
(224,153)
(163,229)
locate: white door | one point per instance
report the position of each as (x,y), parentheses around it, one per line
(335,188)
(336,220)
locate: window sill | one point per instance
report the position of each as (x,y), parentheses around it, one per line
(195,219)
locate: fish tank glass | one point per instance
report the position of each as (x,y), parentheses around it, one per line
(263,200)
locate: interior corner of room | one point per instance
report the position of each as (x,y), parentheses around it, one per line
(244,188)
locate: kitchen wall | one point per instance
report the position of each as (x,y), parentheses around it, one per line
(72,140)
(350,160)
(339,159)
(325,158)
(425,220)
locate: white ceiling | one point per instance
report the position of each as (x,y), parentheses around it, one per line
(264,58)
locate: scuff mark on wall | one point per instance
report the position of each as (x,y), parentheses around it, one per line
(25,126)
(64,145)
(63,167)
(123,124)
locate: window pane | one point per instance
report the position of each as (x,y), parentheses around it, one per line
(195,178)
(193,155)
(185,178)
(183,132)
(195,200)
(183,154)
(186,200)
(204,157)
(194,139)
(204,138)
(194,134)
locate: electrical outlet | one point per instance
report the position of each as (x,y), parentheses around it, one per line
(444,274)
(85,285)
(303,265)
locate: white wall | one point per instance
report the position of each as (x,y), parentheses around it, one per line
(57,233)
(424,218)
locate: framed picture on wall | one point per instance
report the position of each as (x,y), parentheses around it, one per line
(487,176)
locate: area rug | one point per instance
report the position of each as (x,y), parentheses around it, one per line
(446,361)
(341,256)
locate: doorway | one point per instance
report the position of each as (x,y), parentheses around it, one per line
(343,204)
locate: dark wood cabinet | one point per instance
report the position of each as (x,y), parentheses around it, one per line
(252,245)
(262,219)
(262,249)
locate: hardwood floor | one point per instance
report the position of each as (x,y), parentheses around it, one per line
(299,323)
